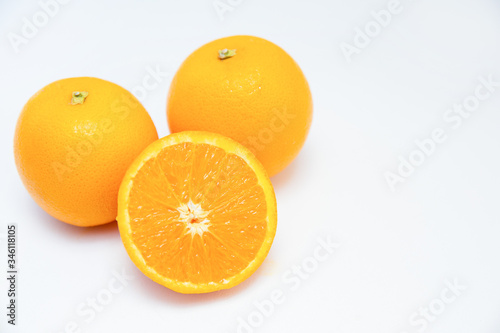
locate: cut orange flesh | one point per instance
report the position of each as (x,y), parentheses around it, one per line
(197,212)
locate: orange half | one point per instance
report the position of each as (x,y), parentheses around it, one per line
(197,212)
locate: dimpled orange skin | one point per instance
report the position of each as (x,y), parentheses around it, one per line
(72,158)
(258,97)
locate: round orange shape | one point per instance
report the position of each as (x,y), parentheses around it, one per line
(72,152)
(258,97)
(197,212)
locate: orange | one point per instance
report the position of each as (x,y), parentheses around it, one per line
(74,140)
(256,95)
(197,212)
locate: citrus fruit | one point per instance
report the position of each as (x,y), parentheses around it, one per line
(74,140)
(248,89)
(197,212)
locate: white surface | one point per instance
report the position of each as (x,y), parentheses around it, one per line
(397,248)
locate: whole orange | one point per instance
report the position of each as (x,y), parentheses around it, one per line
(248,89)
(74,140)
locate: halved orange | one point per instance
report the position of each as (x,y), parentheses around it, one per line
(197,212)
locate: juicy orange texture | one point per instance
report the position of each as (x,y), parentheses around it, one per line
(197,212)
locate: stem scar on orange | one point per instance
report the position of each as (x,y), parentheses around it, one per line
(248,89)
(197,212)
(74,140)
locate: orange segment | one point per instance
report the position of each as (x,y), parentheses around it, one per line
(197,212)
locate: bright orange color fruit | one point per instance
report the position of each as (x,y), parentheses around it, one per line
(74,140)
(197,212)
(257,96)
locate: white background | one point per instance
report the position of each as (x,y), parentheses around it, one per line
(397,249)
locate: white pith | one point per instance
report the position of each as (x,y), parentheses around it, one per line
(194,217)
